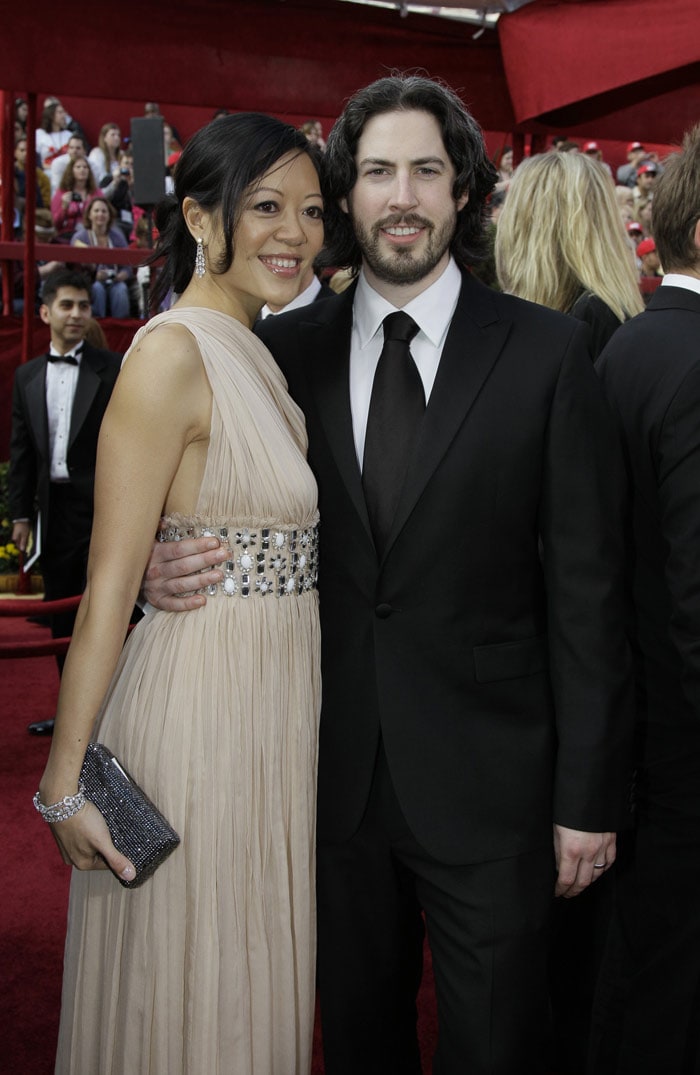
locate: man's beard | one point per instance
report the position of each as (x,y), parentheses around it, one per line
(402,265)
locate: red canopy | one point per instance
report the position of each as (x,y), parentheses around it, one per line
(624,68)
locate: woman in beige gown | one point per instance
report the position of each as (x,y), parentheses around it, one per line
(208,968)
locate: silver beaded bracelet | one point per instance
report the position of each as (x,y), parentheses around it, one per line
(64,809)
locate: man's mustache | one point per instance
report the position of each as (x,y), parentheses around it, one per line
(403,220)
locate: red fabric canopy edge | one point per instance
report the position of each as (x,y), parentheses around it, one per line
(591,47)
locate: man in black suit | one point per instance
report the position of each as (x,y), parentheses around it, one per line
(647,1016)
(57,406)
(475,669)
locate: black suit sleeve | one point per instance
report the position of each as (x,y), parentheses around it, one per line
(23,476)
(678,476)
(582,532)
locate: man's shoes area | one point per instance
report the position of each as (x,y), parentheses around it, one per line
(41,727)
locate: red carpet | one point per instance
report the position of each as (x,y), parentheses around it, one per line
(35,890)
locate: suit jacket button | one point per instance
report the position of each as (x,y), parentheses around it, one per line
(383,611)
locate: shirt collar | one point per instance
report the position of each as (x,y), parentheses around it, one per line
(307,296)
(75,352)
(681,279)
(432,310)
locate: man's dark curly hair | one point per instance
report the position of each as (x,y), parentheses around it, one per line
(464,142)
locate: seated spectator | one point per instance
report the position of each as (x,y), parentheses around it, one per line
(592,149)
(625,200)
(75,147)
(651,273)
(43,188)
(110,287)
(505,169)
(646,180)
(52,134)
(634,233)
(104,157)
(313,132)
(75,190)
(627,173)
(21,112)
(642,214)
(569,147)
(119,194)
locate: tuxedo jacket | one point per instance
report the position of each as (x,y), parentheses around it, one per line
(487,645)
(30,459)
(650,371)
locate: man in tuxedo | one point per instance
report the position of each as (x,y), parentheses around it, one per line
(476,706)
(647,1015)
(57,406)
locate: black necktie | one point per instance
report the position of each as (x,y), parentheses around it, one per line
(63,358)
(395,410)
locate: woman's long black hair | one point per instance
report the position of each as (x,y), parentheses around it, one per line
(217,166)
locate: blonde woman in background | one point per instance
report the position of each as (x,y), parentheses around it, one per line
(561,242)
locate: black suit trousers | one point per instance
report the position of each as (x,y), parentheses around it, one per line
(487,930)
(64,552)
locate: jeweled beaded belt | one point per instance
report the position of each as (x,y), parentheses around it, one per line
(279,561)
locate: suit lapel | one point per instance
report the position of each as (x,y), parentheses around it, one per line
(35,393)
(327,341)
(88,383)
(474,342)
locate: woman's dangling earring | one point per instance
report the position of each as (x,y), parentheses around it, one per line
(199,266)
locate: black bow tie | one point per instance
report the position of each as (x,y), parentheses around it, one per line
(70,359)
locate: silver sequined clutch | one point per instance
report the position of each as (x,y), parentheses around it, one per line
(136,826)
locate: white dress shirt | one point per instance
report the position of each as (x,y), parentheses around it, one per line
(61,383)
(681,279)
(432,311)
(307,295)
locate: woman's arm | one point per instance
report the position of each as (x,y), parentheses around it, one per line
(159,413)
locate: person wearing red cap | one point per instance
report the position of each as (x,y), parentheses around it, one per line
(592,149)
(627,173)
(647,173)
(651,274)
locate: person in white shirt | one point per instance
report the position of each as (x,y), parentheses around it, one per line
(58,403)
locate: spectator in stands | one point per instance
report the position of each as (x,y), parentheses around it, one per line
(625,201)
(592,149)
(75,191)
(504,168)
(104,157)
(313,132)
(220,113)
(75,147)
(21,112)
(120,194)
(635,231)
(569,147)
(586,268)
(642,213)
(43,187)
(110,286)
(646,180)
(52,134)
(557,142)
(651,273)
(53,449)
(627,173)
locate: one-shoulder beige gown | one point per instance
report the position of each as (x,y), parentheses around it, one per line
(208,969)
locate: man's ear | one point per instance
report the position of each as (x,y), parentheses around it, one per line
(44,313)
(343,203)
(462,201)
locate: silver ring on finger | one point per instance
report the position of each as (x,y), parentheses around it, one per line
(599,865)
